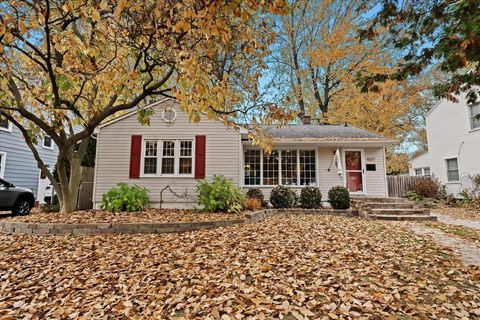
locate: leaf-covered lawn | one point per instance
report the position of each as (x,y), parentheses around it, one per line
(149,215)
(291,268)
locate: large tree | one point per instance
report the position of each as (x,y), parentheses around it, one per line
(431,33)
(67,66)
(318,54)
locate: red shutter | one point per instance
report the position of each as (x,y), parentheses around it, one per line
(200,143)
(135,153)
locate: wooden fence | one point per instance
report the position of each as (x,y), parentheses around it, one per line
(85,193)
(398,185)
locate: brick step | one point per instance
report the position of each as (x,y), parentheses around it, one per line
(400,212)
(377,199)
(387,205)
(410,217)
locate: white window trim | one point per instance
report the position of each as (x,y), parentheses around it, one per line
(446,169)
(422,171)
(176,173)
(261,185)
(2,164)
(47,147)
(471,116)
(8,129)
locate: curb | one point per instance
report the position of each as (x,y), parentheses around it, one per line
(18,227)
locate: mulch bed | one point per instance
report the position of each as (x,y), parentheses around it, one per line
(149,215)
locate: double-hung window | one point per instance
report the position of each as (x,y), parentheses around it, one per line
(5,125)
(291,167)
(452,170)
(475,115)
(150,157)
(47,142)
(167,157)
(185,165)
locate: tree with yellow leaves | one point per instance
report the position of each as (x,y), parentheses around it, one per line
(67,66)
(319,59)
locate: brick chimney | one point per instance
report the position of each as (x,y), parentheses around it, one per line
(306,119)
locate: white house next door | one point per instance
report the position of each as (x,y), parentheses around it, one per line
(354,171)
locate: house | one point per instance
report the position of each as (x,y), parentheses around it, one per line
(453,134)
(17,164)
(172,154)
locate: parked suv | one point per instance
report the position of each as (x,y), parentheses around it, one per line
(18,200)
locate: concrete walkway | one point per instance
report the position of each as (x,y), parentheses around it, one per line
(468,253)
(459,222)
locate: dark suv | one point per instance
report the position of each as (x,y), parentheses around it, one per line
(18,200)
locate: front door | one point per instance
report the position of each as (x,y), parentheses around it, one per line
(354,171)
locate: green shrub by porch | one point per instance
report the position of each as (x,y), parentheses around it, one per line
(310,198)
(125,198)
(220,195)
(283,197)
(339,197)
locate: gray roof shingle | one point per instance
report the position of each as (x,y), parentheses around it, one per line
(327,132)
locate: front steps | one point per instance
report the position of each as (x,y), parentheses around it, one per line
(392,209)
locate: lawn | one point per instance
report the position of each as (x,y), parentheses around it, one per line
(292,268)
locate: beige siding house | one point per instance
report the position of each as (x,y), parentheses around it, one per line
(171,155)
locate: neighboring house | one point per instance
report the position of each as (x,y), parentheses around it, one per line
(17,164)
(421,165)
(172,152)
(453,134)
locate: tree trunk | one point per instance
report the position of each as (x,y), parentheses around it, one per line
(69,174)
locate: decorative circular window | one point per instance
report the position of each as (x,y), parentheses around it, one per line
(169,115)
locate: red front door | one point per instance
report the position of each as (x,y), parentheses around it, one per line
(353,170)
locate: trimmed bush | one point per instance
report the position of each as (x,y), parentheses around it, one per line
(310,198)
(220,195)
(283,197)
(255,193)
(427,188)
(252,204)
(339,197)
(124,197)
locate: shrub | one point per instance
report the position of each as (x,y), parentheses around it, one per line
(252,204)
(427,188)
(220,195)
(339,197)
(255,193)
(413,196)
(310,198)
(283,197)
(125,198)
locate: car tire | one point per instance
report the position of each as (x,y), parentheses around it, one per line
(22,207)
